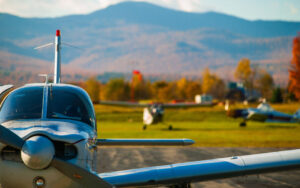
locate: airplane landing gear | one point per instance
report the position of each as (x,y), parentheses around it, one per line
(144,127)
(170,127)
(243,124)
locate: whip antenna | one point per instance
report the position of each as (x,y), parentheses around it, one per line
(57,60)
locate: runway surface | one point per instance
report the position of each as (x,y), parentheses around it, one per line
(123,158)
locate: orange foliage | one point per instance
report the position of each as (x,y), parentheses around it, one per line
(294,72)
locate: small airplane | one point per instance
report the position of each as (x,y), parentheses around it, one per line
(48,138)
(263,113)
(153,113)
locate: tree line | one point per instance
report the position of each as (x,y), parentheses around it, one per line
(119,89)
(252,77)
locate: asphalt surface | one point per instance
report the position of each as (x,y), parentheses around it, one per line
(123,158)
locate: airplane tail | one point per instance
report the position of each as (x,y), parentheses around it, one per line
(297,115)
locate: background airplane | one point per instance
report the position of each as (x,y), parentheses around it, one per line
(263,113)
(153,113)
(48,138)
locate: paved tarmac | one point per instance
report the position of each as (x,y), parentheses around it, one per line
(123,158)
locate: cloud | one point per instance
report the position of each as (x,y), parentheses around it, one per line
(184,5)
(54,8)
(294,10)
(245,9)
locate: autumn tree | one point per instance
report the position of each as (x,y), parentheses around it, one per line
(264,84)
(140,88)
(244,73)
(181,88)
(117,89)
(294,72)
(164,91)
(212,84)
(193,88)
(92,86)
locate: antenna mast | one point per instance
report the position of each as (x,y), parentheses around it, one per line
(57,59)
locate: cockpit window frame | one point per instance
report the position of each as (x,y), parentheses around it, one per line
(12,94)
(44,90)
(52,89)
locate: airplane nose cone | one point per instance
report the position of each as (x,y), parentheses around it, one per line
(37,152)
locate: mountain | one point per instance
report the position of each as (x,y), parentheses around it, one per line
(156,40)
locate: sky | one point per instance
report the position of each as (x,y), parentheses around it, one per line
(288,10)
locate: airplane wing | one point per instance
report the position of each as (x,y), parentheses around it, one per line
(186,105)
(165,105)
(272,116)
(123,103)
(205,170)
(149,142)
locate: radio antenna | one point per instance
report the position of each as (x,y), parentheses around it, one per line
(57,60)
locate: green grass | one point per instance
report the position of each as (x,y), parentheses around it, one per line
(207,126)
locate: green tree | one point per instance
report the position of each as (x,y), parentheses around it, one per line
(116,89)
(92,86)
(277,96)
(193,88)
(265,84)
(141,89)
(164,91)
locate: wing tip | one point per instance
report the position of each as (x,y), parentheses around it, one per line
(187,141)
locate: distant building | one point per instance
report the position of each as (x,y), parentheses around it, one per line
(203,99)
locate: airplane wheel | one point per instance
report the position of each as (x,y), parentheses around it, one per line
(170,127)
(144,127)
(243,124)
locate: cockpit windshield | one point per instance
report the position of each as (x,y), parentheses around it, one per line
(63,104)
(24,103)
(265,107)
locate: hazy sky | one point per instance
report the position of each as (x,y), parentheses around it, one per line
(248,9)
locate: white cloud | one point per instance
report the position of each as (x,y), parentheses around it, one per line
(241,8)
(184,5)
(294,9)
(54,8)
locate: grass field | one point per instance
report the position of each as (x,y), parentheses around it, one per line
(208,126)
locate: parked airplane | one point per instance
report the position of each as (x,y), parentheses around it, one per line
(48,138)
(263,113)
(154,112)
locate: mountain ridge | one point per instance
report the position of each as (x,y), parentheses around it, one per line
(138,35)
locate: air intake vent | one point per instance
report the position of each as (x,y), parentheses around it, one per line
(11,154)
(64,150)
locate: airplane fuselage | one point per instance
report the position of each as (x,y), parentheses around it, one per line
(268,116)
(72,134)
(153,115)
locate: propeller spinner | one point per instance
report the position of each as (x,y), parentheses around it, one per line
(38,153)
